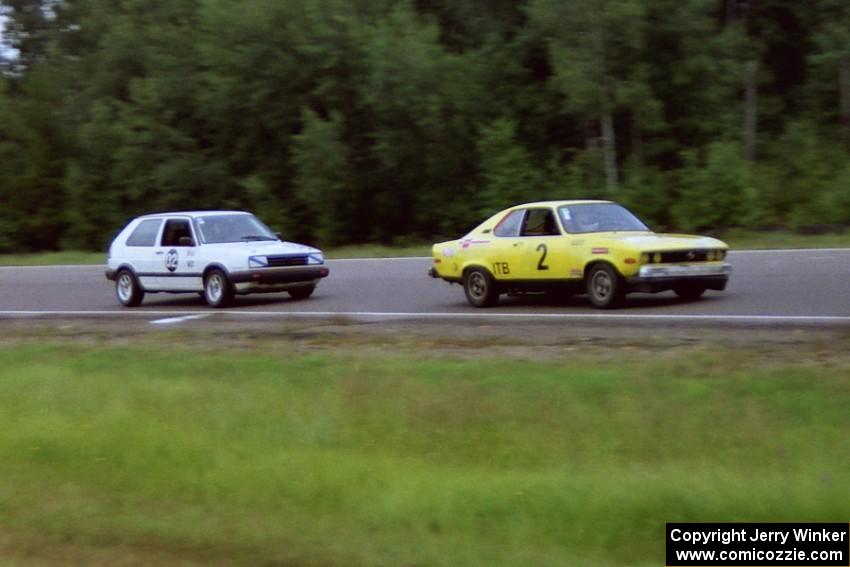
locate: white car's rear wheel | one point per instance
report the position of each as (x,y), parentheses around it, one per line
(218,291)
(127,289)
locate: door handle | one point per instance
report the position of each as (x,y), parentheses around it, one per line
(160,253)
(517,243)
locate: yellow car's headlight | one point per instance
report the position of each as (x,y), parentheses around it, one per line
(656,258)
(644,258)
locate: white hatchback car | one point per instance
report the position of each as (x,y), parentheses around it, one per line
(217,254)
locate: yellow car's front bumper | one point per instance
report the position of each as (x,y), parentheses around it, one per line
(655,278)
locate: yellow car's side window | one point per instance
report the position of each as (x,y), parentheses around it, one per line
(510,226)
(540,222)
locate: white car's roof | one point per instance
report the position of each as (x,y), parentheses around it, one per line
(193,214)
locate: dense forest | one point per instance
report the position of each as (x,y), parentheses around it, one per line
(344,121)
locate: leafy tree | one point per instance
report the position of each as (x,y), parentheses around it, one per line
(831,59)
(31,165)
(351,121)
(715,189)
(322,177)
(509,174)
(592,46)
(29,29)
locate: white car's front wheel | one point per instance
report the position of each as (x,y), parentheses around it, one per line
(302,292)
(127,289)
(218,291)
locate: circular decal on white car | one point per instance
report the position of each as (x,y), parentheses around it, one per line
(171,260)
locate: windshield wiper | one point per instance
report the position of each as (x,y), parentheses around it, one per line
(254,237)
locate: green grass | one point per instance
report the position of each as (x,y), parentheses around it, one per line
(753,240)
(160,454)
(68,257)
(378,251)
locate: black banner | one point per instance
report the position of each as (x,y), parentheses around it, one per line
(762,545)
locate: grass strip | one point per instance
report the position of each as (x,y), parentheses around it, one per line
(119,454)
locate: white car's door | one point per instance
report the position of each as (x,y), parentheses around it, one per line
(174,259)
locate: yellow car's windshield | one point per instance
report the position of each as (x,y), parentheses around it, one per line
(599,217)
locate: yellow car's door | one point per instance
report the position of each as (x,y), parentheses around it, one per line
(546,253)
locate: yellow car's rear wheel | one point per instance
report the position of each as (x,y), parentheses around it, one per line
(480,288)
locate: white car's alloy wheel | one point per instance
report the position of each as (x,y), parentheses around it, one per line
(217,289)
(214,288)
(125,287)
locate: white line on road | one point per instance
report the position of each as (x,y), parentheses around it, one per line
(786,250)
(447,316)
(173,320)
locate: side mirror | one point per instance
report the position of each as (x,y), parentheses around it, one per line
(279,236)
(185,241)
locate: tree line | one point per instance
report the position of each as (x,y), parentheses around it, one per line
(346,121)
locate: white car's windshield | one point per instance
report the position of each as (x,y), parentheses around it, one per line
(215,229)
(599,217)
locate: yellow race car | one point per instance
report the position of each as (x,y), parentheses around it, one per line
(597,247)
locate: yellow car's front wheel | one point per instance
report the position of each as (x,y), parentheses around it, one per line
(480,288)
(689,292)
(604,286)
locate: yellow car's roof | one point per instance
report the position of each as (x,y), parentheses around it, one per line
(559,203)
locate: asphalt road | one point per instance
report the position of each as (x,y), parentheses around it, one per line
(766,287)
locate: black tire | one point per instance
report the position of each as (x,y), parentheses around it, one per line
(127,289)
(480,288)
(302,292)
(605,288)
(689,292)
(218,291)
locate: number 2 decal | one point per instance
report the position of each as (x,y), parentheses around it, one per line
(540,264)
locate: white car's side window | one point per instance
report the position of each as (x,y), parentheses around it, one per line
(178,232)
(145,233)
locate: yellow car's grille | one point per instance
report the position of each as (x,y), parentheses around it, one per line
(684,256)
